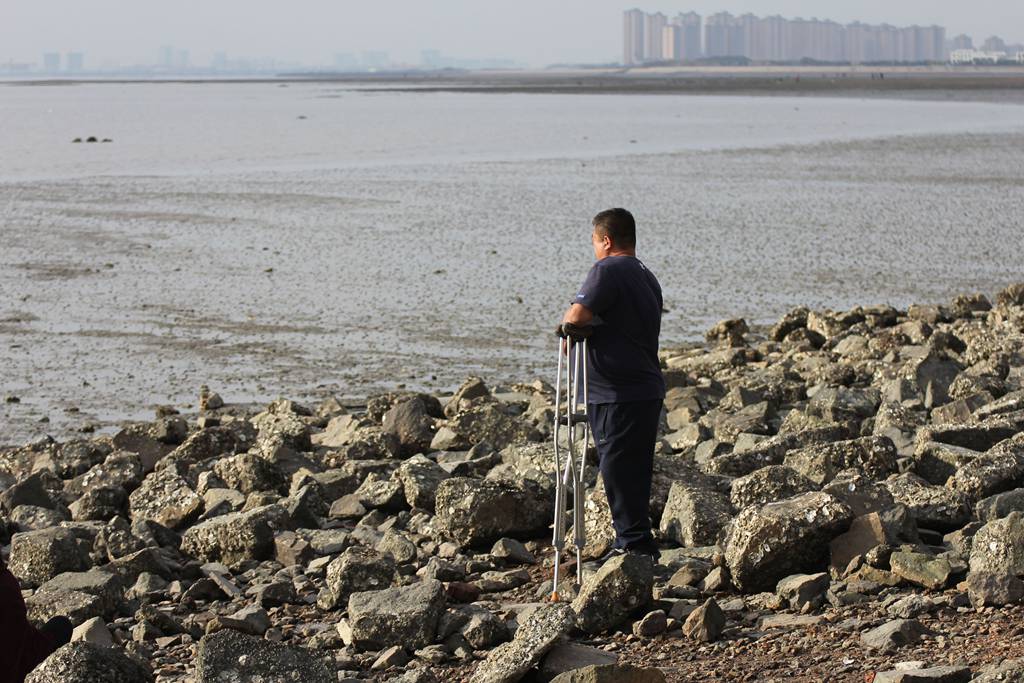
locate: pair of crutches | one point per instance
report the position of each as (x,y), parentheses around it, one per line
(570,458)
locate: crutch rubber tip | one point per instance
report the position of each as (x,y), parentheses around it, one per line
(554,597)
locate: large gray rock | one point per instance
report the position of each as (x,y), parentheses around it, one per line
(411,423)
(999,505)
(767,485)
(166,498)
(999,469)
(38,556)
(611,673)
(938,674)
(998,547)
(405,616)
(934,507)
(694,516)
(766,544)
(81,662)
(420,478)
(486,422)
(875,456)
(937,462)
(75,605)
(863,494)
(229,656)
(247,473)
(232,537)
(34,518)
(1007,671)
(104,584)
(986,588)
(893,635)
(101,504)
(509,662)
(623,585)
(357,569)
(28,491)
(892,527)
(476,512)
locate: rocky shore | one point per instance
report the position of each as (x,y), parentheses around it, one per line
(839,497)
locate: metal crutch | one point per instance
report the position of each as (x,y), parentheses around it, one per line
(571,465)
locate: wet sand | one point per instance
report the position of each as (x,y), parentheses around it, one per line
(121,294)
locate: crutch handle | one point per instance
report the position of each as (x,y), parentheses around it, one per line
(574,332)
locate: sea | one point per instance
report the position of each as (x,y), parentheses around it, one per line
(313,239)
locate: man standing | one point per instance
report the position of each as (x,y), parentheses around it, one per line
(622,300)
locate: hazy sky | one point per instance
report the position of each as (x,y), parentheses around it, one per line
(535,32)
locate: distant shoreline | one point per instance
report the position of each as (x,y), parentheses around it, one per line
(1000,84)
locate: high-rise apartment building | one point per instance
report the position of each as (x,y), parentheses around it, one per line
(691,25)
(633,37)
(76,62)
(654,26)
(961,42)
(649,38)
(672,43)
(51,62)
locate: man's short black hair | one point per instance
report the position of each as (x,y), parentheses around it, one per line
(618,224)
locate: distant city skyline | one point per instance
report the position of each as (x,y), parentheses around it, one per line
(313,32)
(654,38)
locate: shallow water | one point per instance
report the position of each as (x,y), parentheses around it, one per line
(417,238)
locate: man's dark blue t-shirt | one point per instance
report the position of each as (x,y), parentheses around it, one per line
(625,299)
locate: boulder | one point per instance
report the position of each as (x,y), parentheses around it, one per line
(893,635)
(705,624)
(166,498)
(232,538)
(998,547)
(486,422)
(766,544)
(228,656)
(875,456)
(995,589)
(767,485)
(82,662)
(936,462)
(803,590)
(889,527)
(570,656)
(1006,671)
(28,491)
(411,423)
(38,556)
(622,586)
(405,616)
(420,477)
(508,663)
(100,504)
(34,518)
(999,469)
(920,569)
(248,473)
(999,505)
(108,586)
(863,494)
(611,673)
(357,569)
(934,507)
(694,516)
(938,674)
(476,512)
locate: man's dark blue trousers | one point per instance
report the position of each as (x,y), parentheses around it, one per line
(625,434)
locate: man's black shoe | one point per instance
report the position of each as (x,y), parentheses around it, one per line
(652,553)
